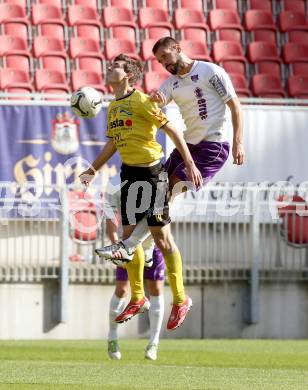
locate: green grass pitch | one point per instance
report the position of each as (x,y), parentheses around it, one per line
(181,365)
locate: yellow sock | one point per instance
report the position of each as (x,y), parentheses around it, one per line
(135,274)
(174,271)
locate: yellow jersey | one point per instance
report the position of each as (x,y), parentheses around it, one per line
(132,124)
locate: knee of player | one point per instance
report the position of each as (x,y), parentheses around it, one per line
(165,244)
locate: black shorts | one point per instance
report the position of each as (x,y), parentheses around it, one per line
(144,193)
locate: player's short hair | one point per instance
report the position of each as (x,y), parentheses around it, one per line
(165,42)
(131,66)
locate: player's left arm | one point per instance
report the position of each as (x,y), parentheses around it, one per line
(237,123)
(193,172)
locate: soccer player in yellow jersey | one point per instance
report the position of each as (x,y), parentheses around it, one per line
(133,120)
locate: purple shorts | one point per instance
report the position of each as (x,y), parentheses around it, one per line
(208,156)
(156,272)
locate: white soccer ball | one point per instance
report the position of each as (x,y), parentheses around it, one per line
(86,102)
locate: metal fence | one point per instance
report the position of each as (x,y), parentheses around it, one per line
(221,236)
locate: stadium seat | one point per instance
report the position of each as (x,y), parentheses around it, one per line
(224,19)
(298,86)
(290,20)
(15,28)
(150,17)
(225,4)
(25,91)
(299,68)
(91,3)
(161,4)
(153,80)
(116,16)
(240,84)
(14,51)
(195,34)
(294,5)
(121,4)
(17,78)
(297,36)
(84,47)
(50,80)
(184,18)
(234,66)
(146,49)
(262,51)
(18,62)
(295,52)
(294,226)
(264,36)
(90,63)
(48,46)
(196,50)
(268,67)
(123,32)
(57,3)
(113,47)
(157,32)
(155,66)
(267,86)
(14,13)
(257,19)
(195,5)
(82,14)
(229,35)
(53,30)
(260,4)
(228,50)
(47,13)
(82,78)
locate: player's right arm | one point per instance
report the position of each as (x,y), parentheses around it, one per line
(108,151)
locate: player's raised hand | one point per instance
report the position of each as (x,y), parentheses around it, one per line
(158,97)
(194,175)
(87,176)
(238,153)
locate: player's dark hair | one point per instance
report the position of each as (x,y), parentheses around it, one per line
(131,66)
(165,42)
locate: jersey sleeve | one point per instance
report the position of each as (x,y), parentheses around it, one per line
(152,112)
(166,91)
(220,81)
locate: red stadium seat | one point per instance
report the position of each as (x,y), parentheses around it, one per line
(224,19)
(264,36)
(150,17)
(195,34)
(290,20)
(53,30)
(25,91)
(146,49)
(90,63)
(268,67)
(46,80)
(184,18)
(116,16)
(18,62)
(91,3)
(157,32)
(155,66)
(240,84)
(10,12)
(47,13)
(57,3)
(85,47)
(15,53)
(17,29)
(196,4)
(228,35)
(295,52)
(153,80)
(297,36)
(123,32)
(262,51)
(48,46)
(228,50)
(121,4)
(299,68)
(259,20)
(15,78)
(260,4)
(294,5)
(161,4)
(82,78)
(196,50)
(234,66)
(298,86)
(225,4)
(114,47)
(267,86)
(82,14)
